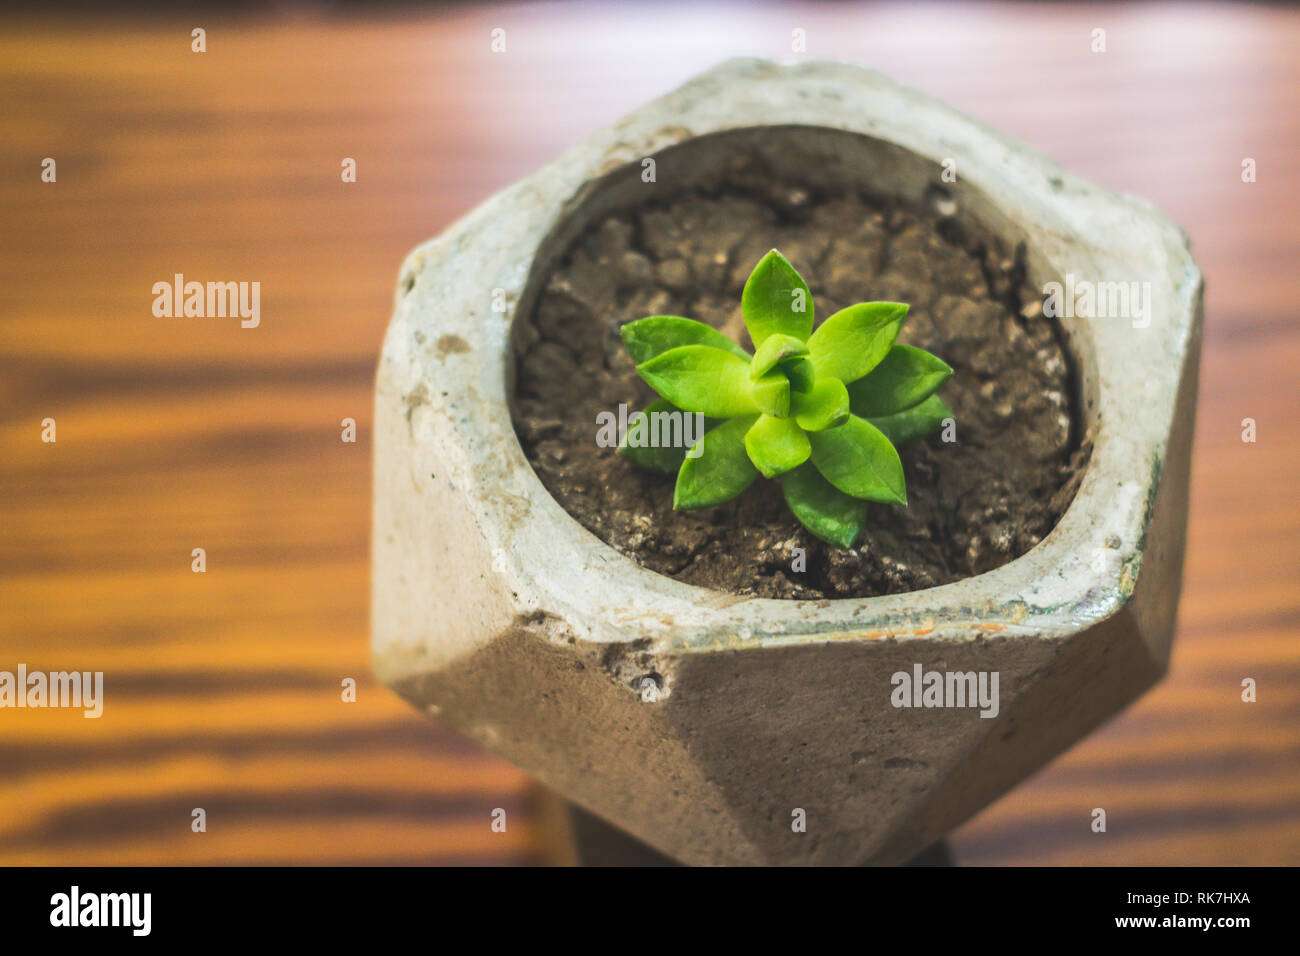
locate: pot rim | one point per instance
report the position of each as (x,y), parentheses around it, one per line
(458,399)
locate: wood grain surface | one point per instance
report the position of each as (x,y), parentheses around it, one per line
(223,688)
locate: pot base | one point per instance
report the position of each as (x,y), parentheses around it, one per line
(587,840)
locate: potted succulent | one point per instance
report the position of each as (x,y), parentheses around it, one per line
(822,409)
(751,682)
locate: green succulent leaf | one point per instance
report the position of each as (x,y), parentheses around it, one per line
(915,422)
(636,447)
(776,348)
(700,378)
(646,338)
(822,508)
(776,300)
(825,406)
(799,371)
(775,445)
(772,394)
(858,459)
(720,471)
(852,342)
(905,377)
(819,410)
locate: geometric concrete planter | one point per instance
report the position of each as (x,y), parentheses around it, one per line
(702,722)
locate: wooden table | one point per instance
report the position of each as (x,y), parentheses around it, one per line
(224,688)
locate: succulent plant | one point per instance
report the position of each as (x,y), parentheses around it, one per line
(820,410)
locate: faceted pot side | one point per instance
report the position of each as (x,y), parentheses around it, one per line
(707,724)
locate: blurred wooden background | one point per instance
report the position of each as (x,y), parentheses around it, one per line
(223,688)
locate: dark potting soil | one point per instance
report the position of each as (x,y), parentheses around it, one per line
(975,503)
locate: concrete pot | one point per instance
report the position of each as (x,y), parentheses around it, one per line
(709,725)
